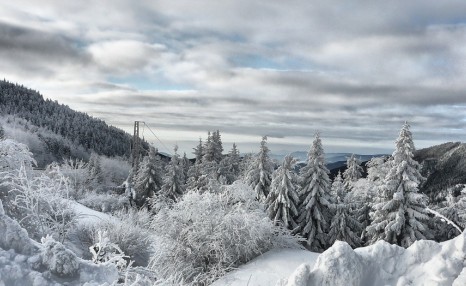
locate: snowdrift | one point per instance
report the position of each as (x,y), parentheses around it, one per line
(423,263)
(26,262)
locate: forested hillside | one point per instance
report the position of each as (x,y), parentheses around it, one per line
(77,127)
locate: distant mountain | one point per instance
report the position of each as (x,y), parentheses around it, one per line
(62,130)
(444,166)
(330,158)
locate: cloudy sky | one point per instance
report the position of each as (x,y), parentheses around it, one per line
(355,70)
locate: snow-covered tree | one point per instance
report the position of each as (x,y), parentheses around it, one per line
(199,152)
(173,187)
(353,171)
(283,200)
(260,172)
(344,226)
(401,216)
(209,149)
(95,171)
(149,178)
(2,133)
(217,146)
(338,188)
(314,210)
(185,164)
(13,155)
(229,167)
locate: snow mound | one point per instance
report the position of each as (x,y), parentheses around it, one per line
(26,262)
(268,269)
(423,263)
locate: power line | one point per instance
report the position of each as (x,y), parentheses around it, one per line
(148,127)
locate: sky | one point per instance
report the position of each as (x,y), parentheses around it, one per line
(353,70)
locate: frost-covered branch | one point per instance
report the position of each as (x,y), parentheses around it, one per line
(444,219)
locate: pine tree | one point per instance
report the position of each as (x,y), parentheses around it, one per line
(401,215)
(185,164)
(199,152)
(217,146)
(148,180)
(283,200)
(314,209)
(353,171)
(338,187)
(229,168)
(209,150)
(173,187)
(260,172)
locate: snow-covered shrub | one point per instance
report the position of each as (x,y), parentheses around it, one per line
(13,155)
(129,231)
(104,251)
(104,202)
(59,260)
(40,203)
(205,235)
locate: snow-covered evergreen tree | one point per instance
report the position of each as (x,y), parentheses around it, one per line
(2,133)
(149,178)
(173,187)
(199,152)
(353,171)
(283,200)
(260,172)
(344,226)
(314,210)
(95,171)
(209,149)
(338,188)
(185,164)
(229,167)
(401,216)
(217,146)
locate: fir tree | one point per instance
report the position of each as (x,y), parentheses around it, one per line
(283,200)
(401,216)
(344,226)
(173,187)
(199,152)
(230,166)
(260,172)
(209,150)
(185,164)
(217,146)
(314,210)
(338,187)
(353,171)
(148,180)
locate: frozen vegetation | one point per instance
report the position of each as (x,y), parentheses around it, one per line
(224,219)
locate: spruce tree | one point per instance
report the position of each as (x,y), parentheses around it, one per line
(344,226)
(149,178)
(199,152)
(217,146)
(260,172)
(229,168)
(353,171)
(173,187)
(209,149)
(314,191)
(185,164)
(400,217)
(283,200)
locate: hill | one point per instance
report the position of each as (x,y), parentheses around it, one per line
(59,127)
(444,166)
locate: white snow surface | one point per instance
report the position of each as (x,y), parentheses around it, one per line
(423,263)
(26,262)
(85,214)
(269,268)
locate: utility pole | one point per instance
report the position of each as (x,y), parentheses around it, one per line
(136,146)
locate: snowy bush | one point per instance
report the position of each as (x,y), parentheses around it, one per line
(205,235)
(129,231)
(40,203)
(104,251)
(104,202)
(59,260)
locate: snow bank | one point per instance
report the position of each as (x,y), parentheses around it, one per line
(423,263)
(26,262)
(269,268)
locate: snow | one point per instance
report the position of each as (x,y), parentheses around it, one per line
(26,262)
(86,215)
(423,263)
(269,268)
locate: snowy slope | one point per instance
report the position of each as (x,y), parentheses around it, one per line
(268,269)
(423,263)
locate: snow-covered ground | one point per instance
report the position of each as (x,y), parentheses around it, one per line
(85,214)
(269,268)
(423,263)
